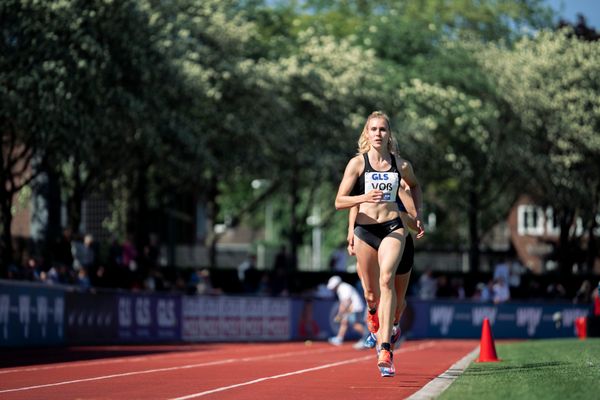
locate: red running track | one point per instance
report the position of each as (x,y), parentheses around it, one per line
(281,371)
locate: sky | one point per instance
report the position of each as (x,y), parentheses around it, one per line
(568,10)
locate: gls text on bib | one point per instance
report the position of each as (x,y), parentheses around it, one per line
(387,182)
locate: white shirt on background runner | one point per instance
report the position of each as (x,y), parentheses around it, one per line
(346,292)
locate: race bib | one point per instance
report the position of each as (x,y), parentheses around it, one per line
(387,182)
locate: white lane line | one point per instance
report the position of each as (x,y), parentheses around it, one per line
(150,371)
(97,378)
(299,372)
(302,371)
(437,385)
(120,360)
(73,364)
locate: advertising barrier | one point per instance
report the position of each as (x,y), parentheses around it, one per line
(230,318)
(148,318)
(439,319)
(91,318)
(31,315)
(108,318)
(42,315)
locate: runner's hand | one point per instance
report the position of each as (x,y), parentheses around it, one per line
(374,196)
(421,229)
(351,245)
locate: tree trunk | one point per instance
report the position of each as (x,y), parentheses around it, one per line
(141,210)
(565,261)
(47,188)
(75,201)
(592,248)
(473,217)
(6,250)
(212,211)
(294,240)
(53,228)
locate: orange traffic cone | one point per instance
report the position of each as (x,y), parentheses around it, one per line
(581,327)
(487,348)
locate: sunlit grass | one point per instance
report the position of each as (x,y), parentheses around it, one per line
(540,369)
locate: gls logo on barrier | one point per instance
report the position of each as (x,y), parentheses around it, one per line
(165,313)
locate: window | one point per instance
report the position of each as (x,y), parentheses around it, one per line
(530,220)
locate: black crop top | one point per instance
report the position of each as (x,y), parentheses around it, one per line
(359,186)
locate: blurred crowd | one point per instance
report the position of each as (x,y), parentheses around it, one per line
(78,260)
(509,281)
(83,263)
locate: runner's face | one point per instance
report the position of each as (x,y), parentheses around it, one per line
(378,133)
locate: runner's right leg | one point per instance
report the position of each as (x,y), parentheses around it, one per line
(368,272)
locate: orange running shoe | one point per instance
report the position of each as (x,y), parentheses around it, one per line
(385,359)
(373,322)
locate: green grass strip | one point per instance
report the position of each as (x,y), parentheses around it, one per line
(537,369)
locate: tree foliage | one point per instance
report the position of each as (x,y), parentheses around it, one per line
(149,102)
(551,83)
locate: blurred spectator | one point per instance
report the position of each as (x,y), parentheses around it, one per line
(85,253)
(32,270)
(516,269)
(350,311)
(427,285)
(502,270)
(200,282)
(443,287)
(55,275)
(249,262)
(556,291)
(584,293)
(155,281)
(115,253)
(278,282)
(458,288)
(501,291)
(483,292)
(83,280)
(129,259)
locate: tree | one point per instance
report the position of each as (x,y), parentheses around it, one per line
(421,42)
(551,83)
(37,103)
(462,140)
